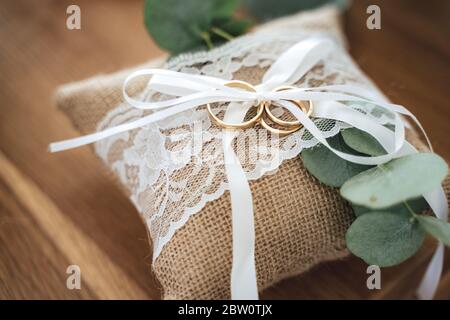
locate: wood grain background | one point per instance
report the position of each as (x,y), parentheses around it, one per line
(57,210)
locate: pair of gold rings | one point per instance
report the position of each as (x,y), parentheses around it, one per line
(263,111)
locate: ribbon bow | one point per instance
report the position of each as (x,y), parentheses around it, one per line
(192,91)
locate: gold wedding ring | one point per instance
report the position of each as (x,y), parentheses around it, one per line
(243,125)
(300,104)
(292,126)
(280,132)
(263,108)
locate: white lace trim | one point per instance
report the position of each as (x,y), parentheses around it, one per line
(169,192)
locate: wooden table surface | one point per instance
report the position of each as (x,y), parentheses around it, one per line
(58,210)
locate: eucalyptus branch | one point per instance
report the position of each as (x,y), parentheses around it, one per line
(222,33)
(207,38)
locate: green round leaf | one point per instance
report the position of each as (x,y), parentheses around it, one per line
(436,227)
(222,8)
(396,181)
(384,238)
(328,167)
(362,142)
(416,205)
(177,26)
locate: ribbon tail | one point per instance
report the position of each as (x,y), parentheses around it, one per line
(430,281)
(243,271)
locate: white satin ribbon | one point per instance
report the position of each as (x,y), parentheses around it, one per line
(243,271)
(192,91)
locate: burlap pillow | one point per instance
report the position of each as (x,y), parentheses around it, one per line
(299,222)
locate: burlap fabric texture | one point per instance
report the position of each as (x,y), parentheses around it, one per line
(299,221)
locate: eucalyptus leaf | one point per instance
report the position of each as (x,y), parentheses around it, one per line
(179,26)
(416,205)
(327,167)
(222,8)
(362,142)
(396,181)
(436,227)
(384,238)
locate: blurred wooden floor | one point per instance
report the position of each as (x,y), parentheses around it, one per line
(57,210)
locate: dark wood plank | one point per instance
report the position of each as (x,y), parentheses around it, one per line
(40,54)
